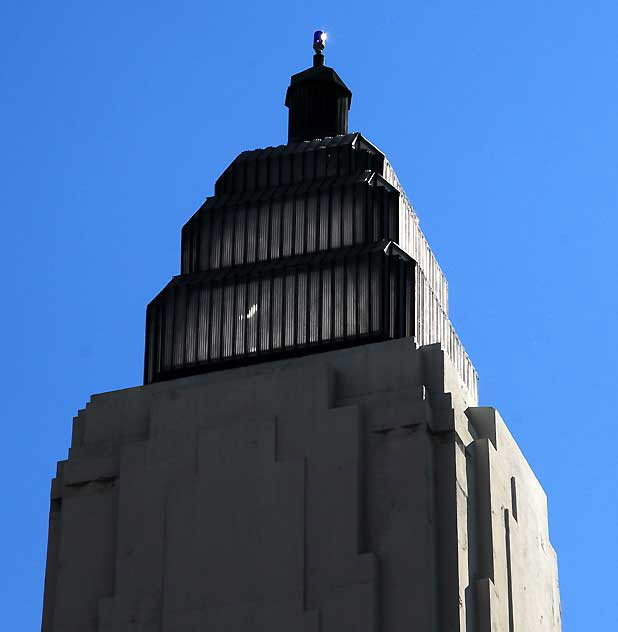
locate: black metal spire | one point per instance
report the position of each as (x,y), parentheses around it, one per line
(318,99)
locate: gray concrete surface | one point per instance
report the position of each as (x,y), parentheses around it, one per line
(357,490)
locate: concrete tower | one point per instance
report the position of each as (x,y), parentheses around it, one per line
(307,452)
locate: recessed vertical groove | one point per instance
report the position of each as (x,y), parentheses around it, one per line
(509,570)
(514,497)
(307,304)
(270,284)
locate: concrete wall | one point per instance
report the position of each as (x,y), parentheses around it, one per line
(358,490)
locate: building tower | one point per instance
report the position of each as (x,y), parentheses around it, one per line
(307,451)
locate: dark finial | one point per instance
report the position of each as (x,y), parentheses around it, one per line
(319,42)
(317,99)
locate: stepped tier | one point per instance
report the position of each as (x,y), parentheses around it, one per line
(288,307)
(295,253)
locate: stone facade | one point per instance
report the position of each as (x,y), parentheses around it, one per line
(355,490)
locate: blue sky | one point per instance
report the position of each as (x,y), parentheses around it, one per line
(500,119)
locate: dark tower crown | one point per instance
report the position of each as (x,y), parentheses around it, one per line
(318,100)
(305,247)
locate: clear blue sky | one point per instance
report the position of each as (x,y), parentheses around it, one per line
(501,120)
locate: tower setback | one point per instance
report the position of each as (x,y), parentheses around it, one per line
(307,451)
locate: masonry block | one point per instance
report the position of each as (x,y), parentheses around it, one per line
(348,490)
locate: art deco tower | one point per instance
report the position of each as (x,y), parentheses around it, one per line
(307,452)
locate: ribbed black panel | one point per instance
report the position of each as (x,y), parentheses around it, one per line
(330,213)
(286,307)
(336,156)
(288,257)
(317,110)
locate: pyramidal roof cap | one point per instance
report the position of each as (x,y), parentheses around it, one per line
(317,74)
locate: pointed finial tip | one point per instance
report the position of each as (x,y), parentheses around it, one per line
(319,42)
